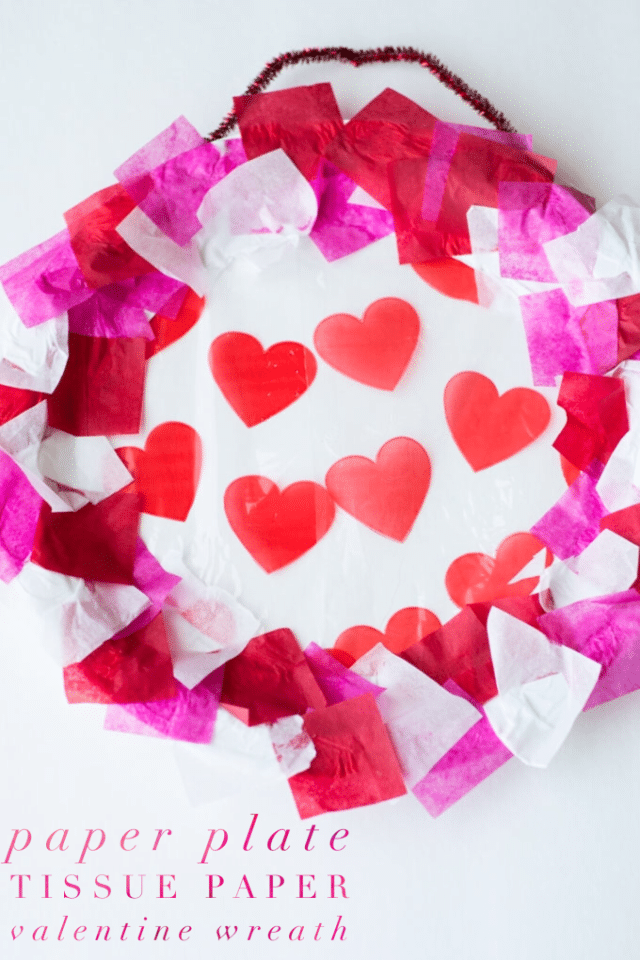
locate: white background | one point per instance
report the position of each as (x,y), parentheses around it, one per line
(532,863)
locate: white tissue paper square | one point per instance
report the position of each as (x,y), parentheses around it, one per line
(542,687)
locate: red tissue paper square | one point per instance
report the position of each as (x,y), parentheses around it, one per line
(102,254)
(389,128)
(14,401)
(625,522)
(97,542)
(301,121)
(628,326)
(596,418)
(133,669)
(102,387)
(458,651)
(270,679)
(355,763)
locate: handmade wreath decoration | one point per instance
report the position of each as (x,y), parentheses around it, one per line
(252,464)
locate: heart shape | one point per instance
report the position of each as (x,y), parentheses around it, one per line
(167,331)
(487,427)
(167,471)
(386,495)
(451,277)
(405,628)
(259,383)
(277,527)
(477,577)
(374,350)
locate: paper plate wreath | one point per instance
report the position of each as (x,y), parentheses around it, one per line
(283,464)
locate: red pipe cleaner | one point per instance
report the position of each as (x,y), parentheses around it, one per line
(357,58)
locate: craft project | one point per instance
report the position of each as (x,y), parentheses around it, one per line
(319,449)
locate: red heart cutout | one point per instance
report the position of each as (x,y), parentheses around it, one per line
(259,383)
(405,628)
(476,577)
(277,527)
(167,471)
(374,350)
(386,495)
(167,331)
(451,277)
(487,427)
